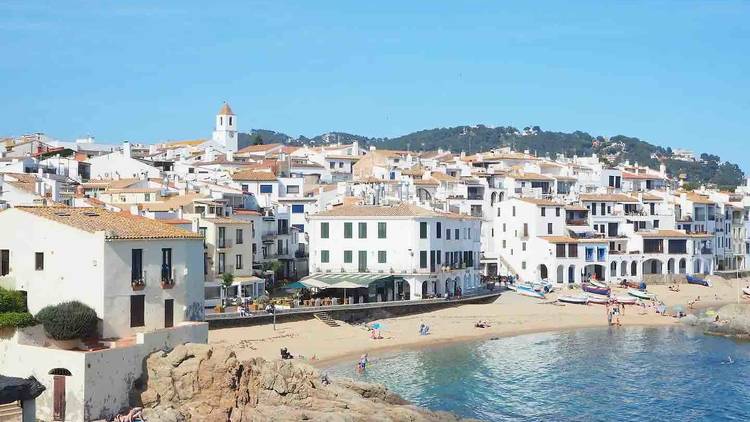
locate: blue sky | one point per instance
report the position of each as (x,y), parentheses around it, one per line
(671,73)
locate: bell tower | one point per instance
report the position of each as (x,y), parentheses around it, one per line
(225,131)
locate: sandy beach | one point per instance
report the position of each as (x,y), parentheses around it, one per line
(511,314)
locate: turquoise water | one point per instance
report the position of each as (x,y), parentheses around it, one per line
(661,374)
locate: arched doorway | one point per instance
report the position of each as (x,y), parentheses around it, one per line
(493,198)
(682,266)
(58,392)
(623,268)
(594,270)
(634,268)
(424,289)
(652,266)
(560,273)
(572,274)
(697,266)
(423,194)
(670,266)
(613,269)
(543,272)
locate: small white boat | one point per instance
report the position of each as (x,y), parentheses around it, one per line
(579,300)
(625,300)
(598,284)
(641,294)
(746,291)
(528,290)
(598,299)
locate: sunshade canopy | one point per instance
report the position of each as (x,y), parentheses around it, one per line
(342,280)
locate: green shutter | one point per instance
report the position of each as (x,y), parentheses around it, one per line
(382,230)
(324,230)
(347,257)
(363,230)
(423,230)
(381,257)
(324,256)
(347,230)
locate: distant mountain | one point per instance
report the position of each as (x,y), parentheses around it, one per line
(706,169)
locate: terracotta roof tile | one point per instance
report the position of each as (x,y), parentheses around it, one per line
(400,210)
(254,175)
(115,225)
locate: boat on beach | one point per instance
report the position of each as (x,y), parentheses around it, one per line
(598,300)
(641,294)
(578,300)
(746,290)
(625,300)
(592,288)
(527,290)
(633,284)
(696,280)
(598,283)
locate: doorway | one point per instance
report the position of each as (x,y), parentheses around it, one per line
(168,313)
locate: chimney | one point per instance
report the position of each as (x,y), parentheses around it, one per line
(126,149)
(230,155)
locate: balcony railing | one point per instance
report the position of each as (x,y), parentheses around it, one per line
(138,282)
(224,243)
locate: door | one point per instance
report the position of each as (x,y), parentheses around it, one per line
(4,262)
(137,305)
(362,261)
(612,229)
(168,313)
(58,398)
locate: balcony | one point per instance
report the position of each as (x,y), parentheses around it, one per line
(706,251)
(224,243)
(300,254)
(577,222)
(168,277)
(268,237)
(138,282)
(475,197)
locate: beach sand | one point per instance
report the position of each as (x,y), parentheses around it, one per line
(511,314)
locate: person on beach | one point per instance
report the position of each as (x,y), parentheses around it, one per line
(362,364)
(609,318)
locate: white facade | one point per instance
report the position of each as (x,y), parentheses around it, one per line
(225,129)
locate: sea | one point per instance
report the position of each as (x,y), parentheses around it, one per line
(602,374)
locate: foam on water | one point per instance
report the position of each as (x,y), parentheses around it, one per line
(595,374)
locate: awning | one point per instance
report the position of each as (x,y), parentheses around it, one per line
(294,286)
(580,229)
(342,280)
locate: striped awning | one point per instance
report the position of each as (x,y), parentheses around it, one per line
(342,280)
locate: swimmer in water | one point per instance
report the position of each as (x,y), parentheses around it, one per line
(729,361)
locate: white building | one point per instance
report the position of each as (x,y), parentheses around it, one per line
(225,132)
(142,277)
(394,252)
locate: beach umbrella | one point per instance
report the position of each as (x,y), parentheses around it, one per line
(377,326)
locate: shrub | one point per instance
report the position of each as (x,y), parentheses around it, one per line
(68,321)
(12,301)
(16,320)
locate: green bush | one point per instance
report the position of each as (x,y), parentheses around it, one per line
(68,321)
(16,320)
(12,301)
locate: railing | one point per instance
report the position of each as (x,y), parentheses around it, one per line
(268,236)
(168,278)
(224,243)
(138,282)
(300,254)
(475,197)
(475,213)
(706,251)
(577,222)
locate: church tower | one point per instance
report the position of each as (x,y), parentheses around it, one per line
(225,132)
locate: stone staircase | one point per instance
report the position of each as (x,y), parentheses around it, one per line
(326,319)
(10,412)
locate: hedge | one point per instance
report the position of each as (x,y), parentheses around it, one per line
(12,301)
(68,321)
(16,320)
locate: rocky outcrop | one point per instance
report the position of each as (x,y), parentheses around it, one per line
(730,320)
(198,382)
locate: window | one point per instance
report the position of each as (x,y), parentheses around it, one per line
(166,264)
(560,250)
(523,265)
(282,226)
(423,230)
(656,224)
(572,250)
(448,234)
(230,120)
(292,189)
(238,262)
(136,264)
(238,236)
(422,259)
(544,211)
(4,262)
(523,246)
(147,197)
(347,257)
(381,257)
(298,208)
(324,230)
(514,210)
(348,230)
(432,261)
(456,234)
(299,227)
(382,230)
(341,164)
(39,261)
(438,230)
(362,230)
(332,164)
(266,188)
(549,228)
(557,212)
(437,256)
(137,305)
(222,263)
(222,237)
(324,256)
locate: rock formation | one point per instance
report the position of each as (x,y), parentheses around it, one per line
(731,320)
(198,382)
